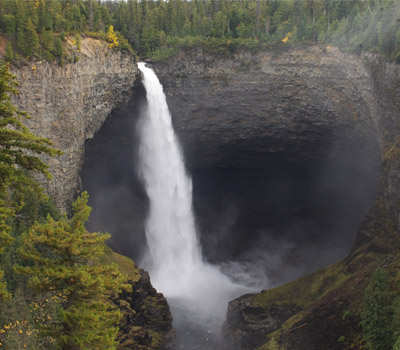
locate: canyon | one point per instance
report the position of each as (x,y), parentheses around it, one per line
(294,156)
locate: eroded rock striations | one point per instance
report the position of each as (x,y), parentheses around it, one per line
(297,111)
(296,129)
(288,102)
(69,104)
(288,109)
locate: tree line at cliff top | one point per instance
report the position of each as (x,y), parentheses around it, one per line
(158,28)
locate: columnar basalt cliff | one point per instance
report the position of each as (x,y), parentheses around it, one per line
(288,101)
(302,116)
(69,104)
(301,108)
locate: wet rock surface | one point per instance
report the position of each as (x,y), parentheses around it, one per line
(247,325)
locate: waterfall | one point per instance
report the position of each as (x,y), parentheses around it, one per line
(174,259)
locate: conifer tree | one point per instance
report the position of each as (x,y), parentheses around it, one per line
(19,147)
(5,239)
(31,46)
(19,150)
(377,312)
(9,57)
(64,255)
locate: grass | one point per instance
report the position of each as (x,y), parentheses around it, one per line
(126,265)
(305,290)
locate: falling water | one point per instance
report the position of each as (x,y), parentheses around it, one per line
(174,259)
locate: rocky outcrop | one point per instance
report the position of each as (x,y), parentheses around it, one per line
(147,322)
(248,324)
(69,104)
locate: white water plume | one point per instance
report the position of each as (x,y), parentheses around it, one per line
(174,260)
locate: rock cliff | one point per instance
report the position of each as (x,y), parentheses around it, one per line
(146,322)
(69,104)
(298,144)
(290,110)
(303,118)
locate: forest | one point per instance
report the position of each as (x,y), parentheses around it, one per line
(54,293)
(157,29)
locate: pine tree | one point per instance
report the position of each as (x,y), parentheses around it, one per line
(396,345)
(5,239)
(19,150)
(9,57)
(59,49)
(377,312)
(31,46)
(63,254)
(19,147)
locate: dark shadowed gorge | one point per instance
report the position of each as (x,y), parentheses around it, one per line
(285,160)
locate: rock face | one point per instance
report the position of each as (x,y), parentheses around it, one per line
(147,320)
(304,116)
(248,325)
(285,126)
(289,102)
(69,104)
(289,110)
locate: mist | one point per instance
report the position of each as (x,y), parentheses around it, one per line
(262,222)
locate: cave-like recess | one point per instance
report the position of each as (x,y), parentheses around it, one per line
(288,212)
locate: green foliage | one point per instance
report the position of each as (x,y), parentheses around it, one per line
(377,312)
(19,147)
(78,39)
(342,339)
(5,240)
(19,150)
(31,45)
(273,345)
(304,290)
(18,319)
(34,27)
(396,323)
(61,256)
(148,26)
(347,315)
(9,57)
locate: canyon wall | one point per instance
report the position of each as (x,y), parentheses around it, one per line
(69,104)
(292,109)
(301,114)
(286,101)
